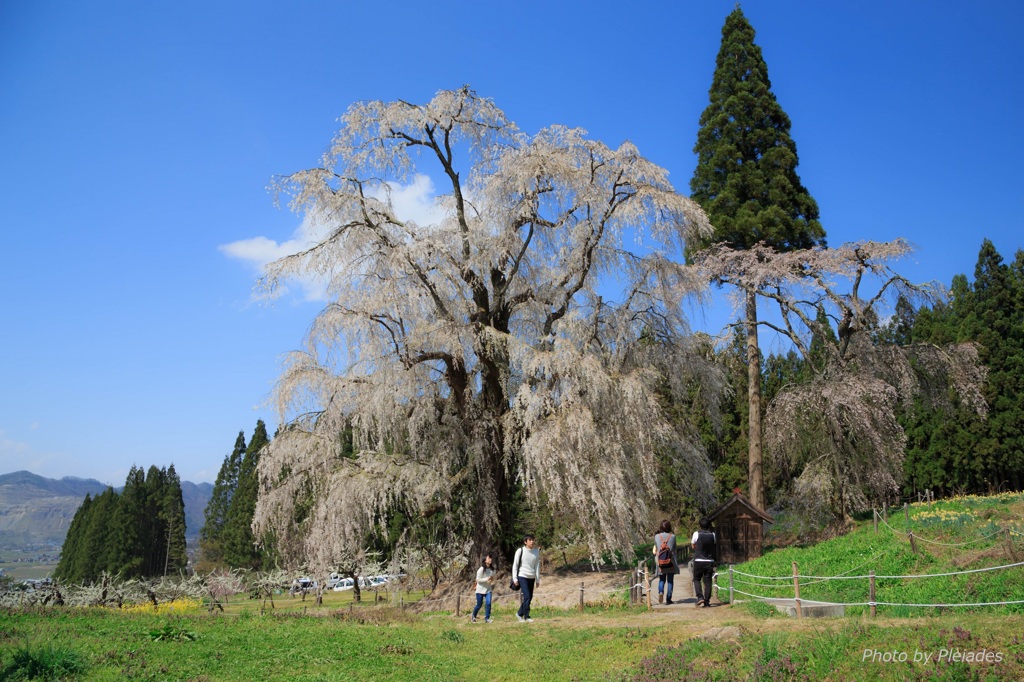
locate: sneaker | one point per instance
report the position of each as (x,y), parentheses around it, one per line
(488,620)
(669,602)
(521,619)
(660,597)
(529,620)
(473,619)
(698,605)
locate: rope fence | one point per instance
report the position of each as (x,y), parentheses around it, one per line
(871,578)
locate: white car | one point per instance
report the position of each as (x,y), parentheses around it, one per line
(343,584)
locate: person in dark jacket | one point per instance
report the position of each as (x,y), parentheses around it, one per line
(703,543)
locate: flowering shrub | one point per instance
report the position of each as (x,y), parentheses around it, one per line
(175,606)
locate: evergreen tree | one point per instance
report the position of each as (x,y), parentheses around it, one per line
(153,524)
(961,452)
(98,551)
(211,537)
(173,510)
(129,527)
(746,181)
(73,543)
(239,545)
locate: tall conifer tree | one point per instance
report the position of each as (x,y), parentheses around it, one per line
(239,545)
(747,183)
(173,510)
(211,540)
(73,543)
(130,527)
(99,550)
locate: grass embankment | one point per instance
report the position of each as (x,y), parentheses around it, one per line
(957,536)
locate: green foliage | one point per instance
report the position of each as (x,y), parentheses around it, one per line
(957,451)
(46,662)
(139,533)
(211,537)
(452,636)
(172,633)
(746,177)
(226,539)
(239,545)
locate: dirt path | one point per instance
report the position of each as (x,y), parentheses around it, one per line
(562,591)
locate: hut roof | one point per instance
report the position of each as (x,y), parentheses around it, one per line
(739,499)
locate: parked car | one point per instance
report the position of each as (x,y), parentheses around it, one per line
(343,584)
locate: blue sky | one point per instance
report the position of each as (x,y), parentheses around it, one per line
(137,140)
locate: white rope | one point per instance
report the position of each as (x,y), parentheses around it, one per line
(819,578)
(939,575)
(812,602)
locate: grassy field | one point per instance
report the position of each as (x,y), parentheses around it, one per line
(298,640)
(609,644)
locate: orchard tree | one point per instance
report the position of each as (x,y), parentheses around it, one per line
(746,181)
(483,353)
(838,431)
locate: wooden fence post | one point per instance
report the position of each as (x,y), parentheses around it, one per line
(1009,545)
(874,517)
(581,597)
(885,511)
(731,600)
(458,605)
(647,589)
(906,512)
(871,593)
(796,592)
(913,545)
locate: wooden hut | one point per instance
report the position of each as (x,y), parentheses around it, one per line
(738,524)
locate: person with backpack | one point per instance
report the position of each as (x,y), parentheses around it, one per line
(704,544)
(666,565)
(526,574)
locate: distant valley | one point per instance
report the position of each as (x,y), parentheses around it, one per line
(35,511)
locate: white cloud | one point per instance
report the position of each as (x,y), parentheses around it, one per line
(415,202)
(18,455)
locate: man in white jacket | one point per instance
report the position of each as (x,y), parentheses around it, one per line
(526,573)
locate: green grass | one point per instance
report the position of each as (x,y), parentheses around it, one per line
(389,644)
(613,642)
(952,536)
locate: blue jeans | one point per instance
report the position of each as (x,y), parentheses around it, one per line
(666,578)
(480,598)
(526,584)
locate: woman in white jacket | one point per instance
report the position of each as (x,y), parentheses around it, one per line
(484,587)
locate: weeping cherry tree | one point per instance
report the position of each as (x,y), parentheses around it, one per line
(838,432)
(517,343)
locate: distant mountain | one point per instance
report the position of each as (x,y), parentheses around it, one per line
(36,511)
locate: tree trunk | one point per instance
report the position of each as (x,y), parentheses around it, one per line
(755,474)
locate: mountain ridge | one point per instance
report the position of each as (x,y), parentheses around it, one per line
(36,510)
